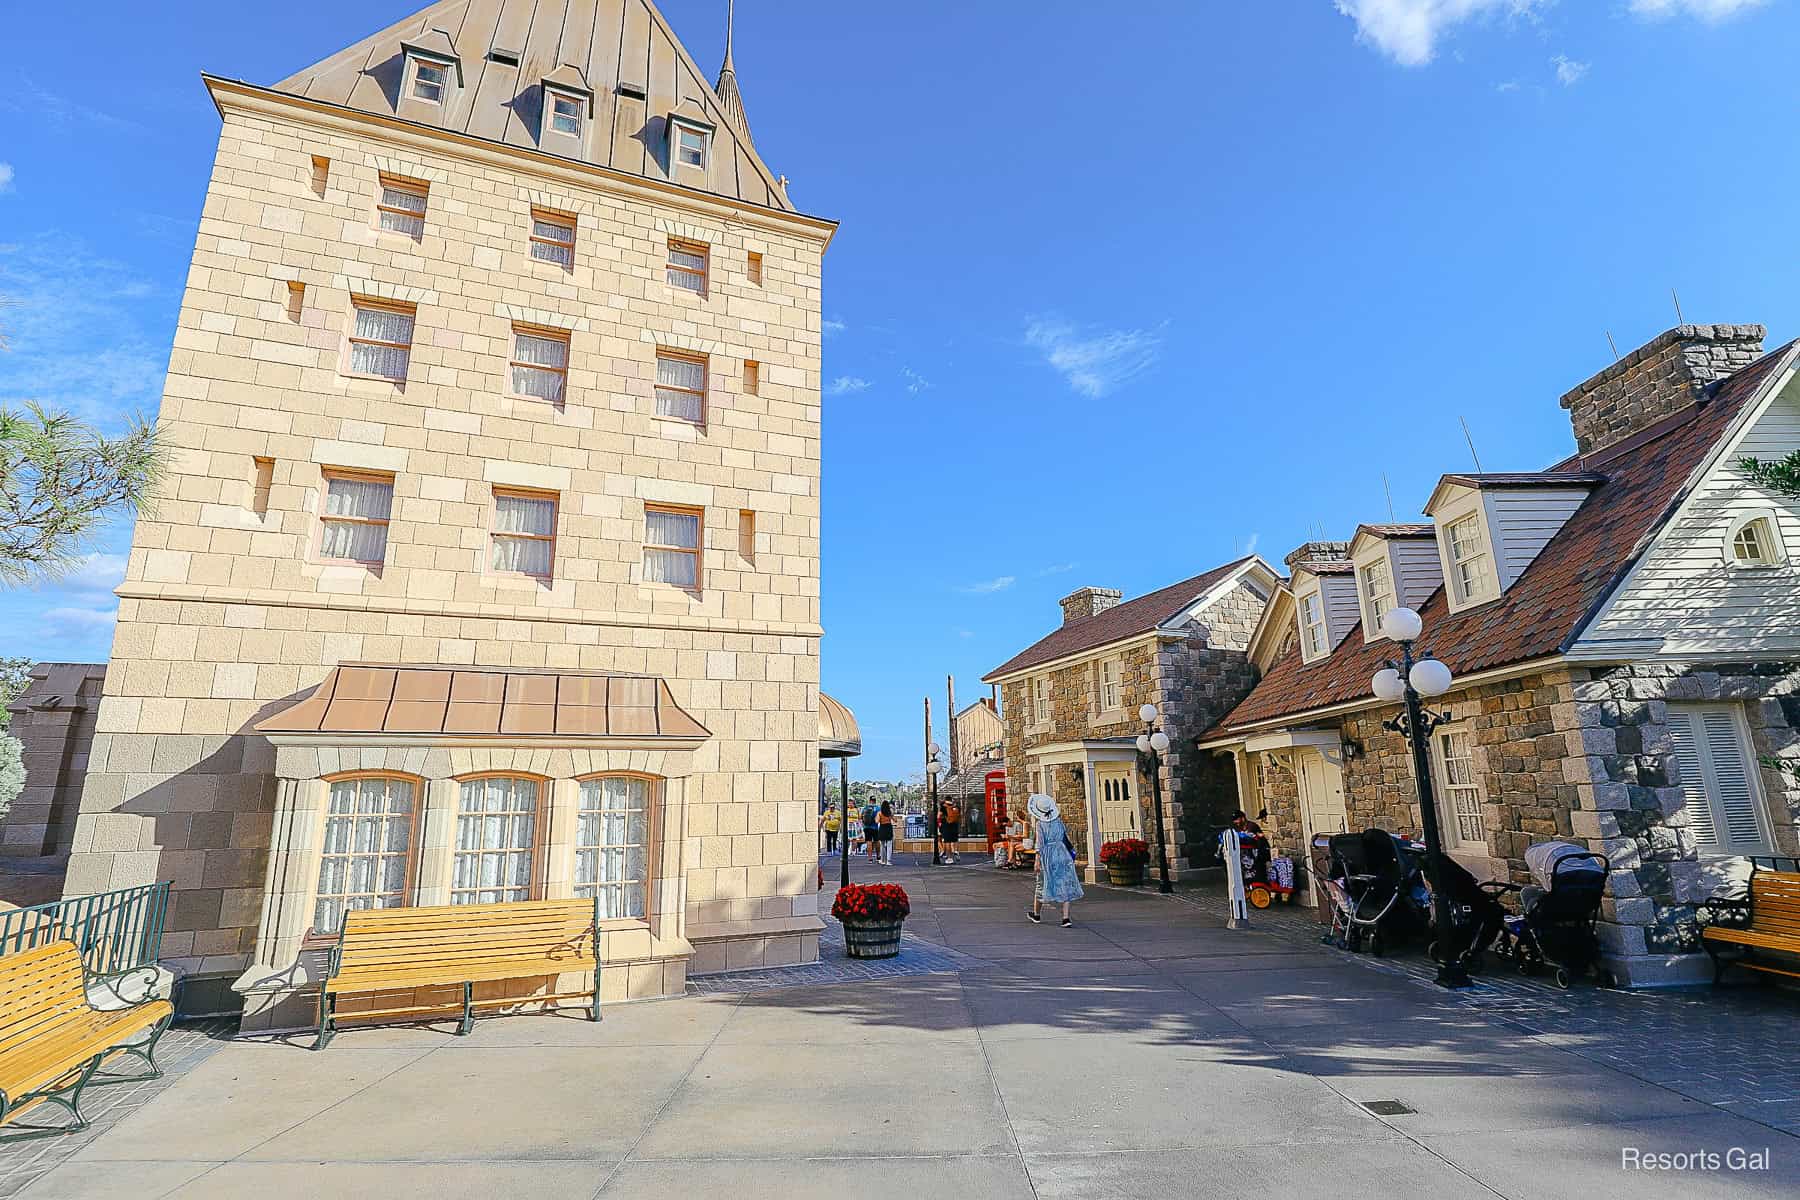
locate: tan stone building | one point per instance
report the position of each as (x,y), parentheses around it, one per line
(1621,629)
(489,568)
(1070,706)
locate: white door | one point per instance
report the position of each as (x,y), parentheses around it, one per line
(1118,804)
(1321,802)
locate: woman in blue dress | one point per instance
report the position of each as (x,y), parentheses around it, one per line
(1057,881)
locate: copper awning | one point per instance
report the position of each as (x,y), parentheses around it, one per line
(839,734)
(472,702)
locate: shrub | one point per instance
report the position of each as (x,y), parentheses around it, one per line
(1126,852)
(871,902)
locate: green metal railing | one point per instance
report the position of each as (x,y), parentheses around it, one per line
(115,931)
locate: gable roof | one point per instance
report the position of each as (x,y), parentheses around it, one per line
(1119,622)
(609,42)
(1546,608)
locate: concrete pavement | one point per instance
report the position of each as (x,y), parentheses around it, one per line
(1146,1051)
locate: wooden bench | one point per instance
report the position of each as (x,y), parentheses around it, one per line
(402,949)
(1768,919)
(52,1040)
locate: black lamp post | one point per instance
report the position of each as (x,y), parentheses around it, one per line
(1152,742)
(1408,681)
(932,767)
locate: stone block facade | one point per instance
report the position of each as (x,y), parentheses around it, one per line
(54,719)
(1659,378)
(227,610)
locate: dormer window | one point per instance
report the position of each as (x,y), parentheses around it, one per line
(565,113)
(1375,584)
(1755,541)
(690,144)
(430,80)
(1471,566)
(1312,626)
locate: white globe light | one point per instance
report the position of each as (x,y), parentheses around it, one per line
(932,768)
(1401,624)
(935,750)
(1430,677)
(1147,713)
(1143,743)
(1387,685)
(1159,741)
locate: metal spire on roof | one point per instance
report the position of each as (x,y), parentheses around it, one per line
(727,88)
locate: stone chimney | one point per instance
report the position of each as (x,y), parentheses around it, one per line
(1316,552)
(1088,601)
(1658,379)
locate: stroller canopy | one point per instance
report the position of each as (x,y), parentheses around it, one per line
(1542,858)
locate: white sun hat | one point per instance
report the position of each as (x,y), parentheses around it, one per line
(1042,807)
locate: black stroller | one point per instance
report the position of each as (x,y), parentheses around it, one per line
(1476,917)
(1555,925)
(1376,893)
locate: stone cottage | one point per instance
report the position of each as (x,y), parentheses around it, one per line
(1622,631)
(489,566)
(1070,702)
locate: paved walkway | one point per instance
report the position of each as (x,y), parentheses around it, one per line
(1147,1051)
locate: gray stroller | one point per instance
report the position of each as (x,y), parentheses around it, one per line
(1555,925)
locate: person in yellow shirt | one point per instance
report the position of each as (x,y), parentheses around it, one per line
(831,823)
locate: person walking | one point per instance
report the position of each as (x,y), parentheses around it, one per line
(1057,882)
(831,822)
(949,828)
(884,831)
(871,828)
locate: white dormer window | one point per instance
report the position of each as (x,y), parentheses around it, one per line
(690,146)
(430,80)
(1471,566)
(1312,626)
(565,114)
(1755,541)
(1375,582)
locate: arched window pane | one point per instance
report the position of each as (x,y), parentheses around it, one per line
(366,844)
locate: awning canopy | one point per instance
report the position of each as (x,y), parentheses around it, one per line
(839,734)
(361,700)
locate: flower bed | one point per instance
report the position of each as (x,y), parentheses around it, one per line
(1126,852)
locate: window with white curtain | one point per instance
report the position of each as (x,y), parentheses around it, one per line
(366,849)
(612,844)
(401,208)
(523,539)
(687,265)
(430,79)
(1377,582)
(672,546)
(496,841)
(1453,756)
(552,237)
(353,524)
(540,364)
(680,386)
(381,340)
(1472,568)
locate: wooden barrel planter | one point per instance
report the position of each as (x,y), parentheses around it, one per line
(1125,876)
(872,939)
(1125,860)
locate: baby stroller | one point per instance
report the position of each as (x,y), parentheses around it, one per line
(1476,918)
(1266,879)
(1375,892)
(1555,925)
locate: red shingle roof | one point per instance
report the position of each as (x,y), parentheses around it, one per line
(1116,623)
(1550,603)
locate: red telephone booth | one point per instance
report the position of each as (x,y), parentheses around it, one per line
(997,816)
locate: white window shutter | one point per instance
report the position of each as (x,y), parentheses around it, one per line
(1689,761)
(1735,792)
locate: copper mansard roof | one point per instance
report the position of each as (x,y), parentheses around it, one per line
(470,702)
(627,54)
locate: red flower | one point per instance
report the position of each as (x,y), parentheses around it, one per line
(871,902)
(1126,852)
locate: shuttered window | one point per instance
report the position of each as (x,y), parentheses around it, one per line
(1721,796)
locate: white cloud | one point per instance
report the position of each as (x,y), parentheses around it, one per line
(1093,361)
(1568,71)
(6,177)
(988,587)
(1511,85)
(834,325)
(91,573)
(843,385)
(79,622)
(1408,31)
(1706,10)
(915,382)
(1058,569)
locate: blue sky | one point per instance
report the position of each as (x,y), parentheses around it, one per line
(1120,289)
